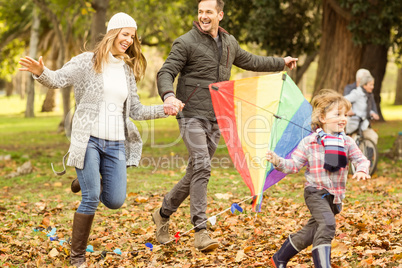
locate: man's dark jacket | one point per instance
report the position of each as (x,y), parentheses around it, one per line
(195,56)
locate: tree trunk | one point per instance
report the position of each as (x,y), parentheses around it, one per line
(33,48)
(98,21)
(397,148)
(19,84)
(62,55)
(398,90)
(154,92)
(339,57)
(65,124)
(9,88)
(374,59)
(49,104)
(300,70)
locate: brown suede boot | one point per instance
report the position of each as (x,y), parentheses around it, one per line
(162,227)
(203,242)
(81,228)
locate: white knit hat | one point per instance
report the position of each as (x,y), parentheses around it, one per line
(121,20)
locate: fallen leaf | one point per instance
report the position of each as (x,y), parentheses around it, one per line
(226,196)
(240,255)
(57,184)
(53,253)
(141,199)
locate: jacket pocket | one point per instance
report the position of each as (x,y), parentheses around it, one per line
(194,85)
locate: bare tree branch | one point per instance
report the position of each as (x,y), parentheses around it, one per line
(56,26)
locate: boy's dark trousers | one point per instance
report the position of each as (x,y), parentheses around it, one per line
(320,229)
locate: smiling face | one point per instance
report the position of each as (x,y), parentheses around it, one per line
(123,41)
(369,87)
(335,120)
(209,17)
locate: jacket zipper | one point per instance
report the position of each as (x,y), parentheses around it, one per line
(192,93)
(227,59)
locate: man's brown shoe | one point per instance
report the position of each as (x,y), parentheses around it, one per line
(162,227)
(203,242)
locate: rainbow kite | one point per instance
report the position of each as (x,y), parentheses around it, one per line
(255,114)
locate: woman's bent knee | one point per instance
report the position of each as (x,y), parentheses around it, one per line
(114,204)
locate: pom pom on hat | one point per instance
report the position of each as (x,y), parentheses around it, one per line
(121,20)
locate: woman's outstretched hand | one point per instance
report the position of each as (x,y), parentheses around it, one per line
(31,65)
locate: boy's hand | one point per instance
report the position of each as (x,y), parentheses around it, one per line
(361,176)
(272,157)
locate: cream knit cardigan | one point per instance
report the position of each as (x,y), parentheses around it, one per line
(88,93)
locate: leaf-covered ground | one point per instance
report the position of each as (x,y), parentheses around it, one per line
(369,230)
(32,206)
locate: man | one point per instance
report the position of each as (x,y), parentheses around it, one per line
(202,56)
(348,88)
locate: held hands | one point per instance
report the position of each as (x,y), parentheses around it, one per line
(172,105)
(31,65)
(290,62)
(361,176)
(272,157)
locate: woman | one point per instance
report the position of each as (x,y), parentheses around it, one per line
(103,141)
(362,108)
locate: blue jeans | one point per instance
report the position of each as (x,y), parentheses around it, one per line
(107,159)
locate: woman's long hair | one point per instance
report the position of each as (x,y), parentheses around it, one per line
(133,56)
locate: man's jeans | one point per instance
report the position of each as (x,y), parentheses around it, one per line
(201,138)
(107,159)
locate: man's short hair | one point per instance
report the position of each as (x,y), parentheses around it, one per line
(219,4)
(362,72)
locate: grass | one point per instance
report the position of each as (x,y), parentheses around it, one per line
(164,154)
(37,139)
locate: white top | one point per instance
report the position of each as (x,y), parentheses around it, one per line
(359,106)
(109,124)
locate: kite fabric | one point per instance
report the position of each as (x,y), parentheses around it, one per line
(255,114)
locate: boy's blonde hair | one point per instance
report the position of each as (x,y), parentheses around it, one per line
(133,56)
(324,101)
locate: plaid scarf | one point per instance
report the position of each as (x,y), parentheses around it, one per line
(335,156)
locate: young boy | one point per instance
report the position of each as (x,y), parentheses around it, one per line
(325,154)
